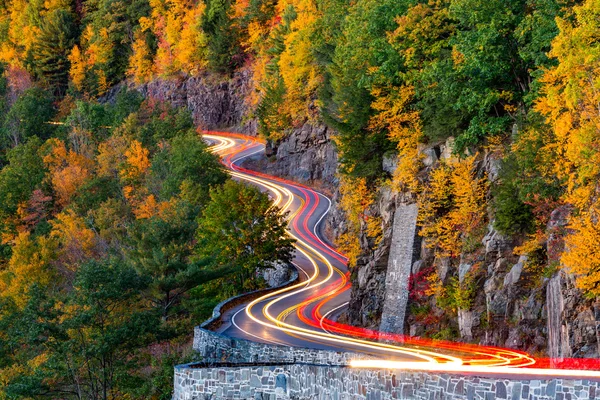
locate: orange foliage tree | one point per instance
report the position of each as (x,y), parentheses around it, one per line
(182,44)
(68,169)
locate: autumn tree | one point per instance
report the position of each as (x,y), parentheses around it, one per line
(299,69)
(355,201)
(141,62)
(68,170)
(29,265)
(77,242)
(569,103)
(102,56)
(181,42)
(452,207)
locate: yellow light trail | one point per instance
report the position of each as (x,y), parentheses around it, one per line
(431,360)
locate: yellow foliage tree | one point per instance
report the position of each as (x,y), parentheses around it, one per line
(22,32)
(147,208)
(570,104)
(355,200)
(182,45)
(297,64)
(582,257)
(92,58)
(140,62)
(30,263)
(404,127)
(111,155)
(78,68)
(136,162)
(77,242)
(452,207)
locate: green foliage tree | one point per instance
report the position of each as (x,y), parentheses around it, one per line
(186,160)
(241,228)
(29,116)
(24,173)
(362,57)
(224,53)
(161,250)
(50,51)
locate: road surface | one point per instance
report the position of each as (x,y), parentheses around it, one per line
(300,315)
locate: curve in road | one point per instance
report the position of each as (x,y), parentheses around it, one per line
(299,315)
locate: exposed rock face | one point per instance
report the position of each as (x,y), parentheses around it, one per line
(306,155)
(278,275)
(573,321)
(216,103)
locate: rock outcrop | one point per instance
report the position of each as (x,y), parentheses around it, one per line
(400,262)
(306,155)
(216,103)
(513,306)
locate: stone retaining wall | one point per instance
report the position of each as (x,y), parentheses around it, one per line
(241,369)
(324,382)
(213,347)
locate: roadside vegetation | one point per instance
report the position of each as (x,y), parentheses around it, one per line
(118,235)
(115,220)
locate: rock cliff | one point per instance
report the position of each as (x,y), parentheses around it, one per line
(512,306)
(216,102)
(307,155)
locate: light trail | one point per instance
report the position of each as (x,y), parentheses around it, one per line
(327,282)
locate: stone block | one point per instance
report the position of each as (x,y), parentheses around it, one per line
(501,390)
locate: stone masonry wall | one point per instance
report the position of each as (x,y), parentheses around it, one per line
(241,369)
(402,256)
(306,381)
(213,347)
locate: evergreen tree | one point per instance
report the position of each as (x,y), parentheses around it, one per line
(50,51)
(224,53)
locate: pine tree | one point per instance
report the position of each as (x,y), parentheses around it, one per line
(52,48)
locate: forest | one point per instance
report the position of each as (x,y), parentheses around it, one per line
(114,215)
(120,232)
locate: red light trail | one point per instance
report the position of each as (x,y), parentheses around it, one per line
(306,301)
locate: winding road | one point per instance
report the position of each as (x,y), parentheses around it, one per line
(303,314)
